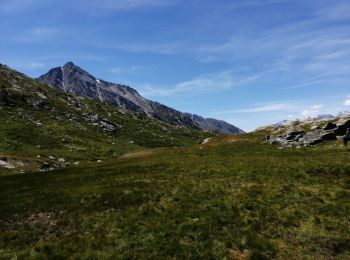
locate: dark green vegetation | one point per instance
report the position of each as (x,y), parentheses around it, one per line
(232,198)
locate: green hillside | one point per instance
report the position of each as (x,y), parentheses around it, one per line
(38,122)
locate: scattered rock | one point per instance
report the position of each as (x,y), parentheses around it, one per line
(35,101)
(20,164)
(6,164)
(41,95)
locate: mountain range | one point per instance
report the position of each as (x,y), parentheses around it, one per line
(72,79)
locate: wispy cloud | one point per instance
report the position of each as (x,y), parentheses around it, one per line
(119,71)
(340,11)
(306,47)
(128,4)
(261,108)
(93,6)
(28,65)
(36,65)
(275,111)
(304,84)
(267,108)
(157,48)
(46,31)
(205,83)
(12,6)
(36,34)
(290,46)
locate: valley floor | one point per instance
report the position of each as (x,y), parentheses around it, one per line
(231,197)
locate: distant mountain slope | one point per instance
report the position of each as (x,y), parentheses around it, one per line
(75,80)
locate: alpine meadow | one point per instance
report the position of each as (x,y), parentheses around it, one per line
(172,129)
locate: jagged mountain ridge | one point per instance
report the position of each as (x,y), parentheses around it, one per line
(74,80)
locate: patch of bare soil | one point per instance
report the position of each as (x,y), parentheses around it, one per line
(138,154)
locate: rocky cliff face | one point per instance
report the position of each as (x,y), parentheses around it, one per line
(75,80)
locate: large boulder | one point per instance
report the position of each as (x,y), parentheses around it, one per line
(107,126)
(328,136)
(294,135)
(330,126)
(341,128)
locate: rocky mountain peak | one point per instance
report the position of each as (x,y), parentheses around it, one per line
(70,71)
(69,64)
(73,79)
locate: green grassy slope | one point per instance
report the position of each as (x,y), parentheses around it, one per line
(233,198)
(37,121)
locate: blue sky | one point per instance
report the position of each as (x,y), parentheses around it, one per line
(249,62)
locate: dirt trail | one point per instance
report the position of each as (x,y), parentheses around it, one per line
(226,139)
(138,154)
(233,139)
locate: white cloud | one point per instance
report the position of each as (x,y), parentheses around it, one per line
(347,102)
(312,111)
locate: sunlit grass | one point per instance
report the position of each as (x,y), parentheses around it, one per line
(221,200)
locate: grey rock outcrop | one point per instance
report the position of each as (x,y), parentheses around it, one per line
(331,131)
(75,80)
